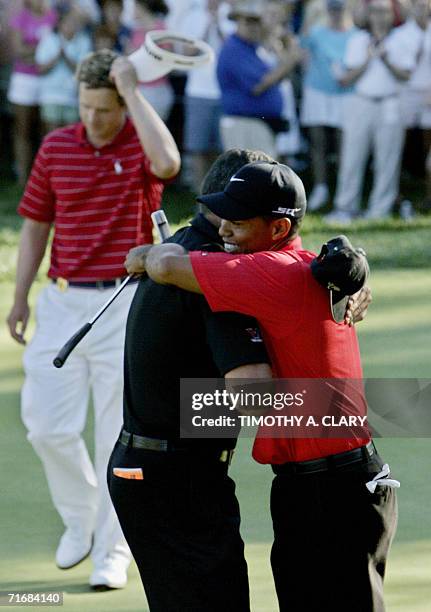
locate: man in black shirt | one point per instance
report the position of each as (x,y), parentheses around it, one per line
(175,501)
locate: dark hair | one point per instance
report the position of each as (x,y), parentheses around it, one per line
(103,2)
(225,166)
(94,69)
(63,9)
(155,6)
(400,11)
(102,31)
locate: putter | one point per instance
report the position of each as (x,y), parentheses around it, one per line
(161,224)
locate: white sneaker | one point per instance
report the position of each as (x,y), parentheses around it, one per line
(338,217)
(72,549)
(112,574)
(318,197)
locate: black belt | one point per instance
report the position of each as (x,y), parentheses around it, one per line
(63,283)
(164,446)
(326,464)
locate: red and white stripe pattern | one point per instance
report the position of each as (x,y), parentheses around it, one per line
(100,201)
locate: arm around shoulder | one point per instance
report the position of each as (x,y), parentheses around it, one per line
(169,264)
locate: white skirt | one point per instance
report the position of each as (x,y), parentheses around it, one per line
(24,89)
(319,108)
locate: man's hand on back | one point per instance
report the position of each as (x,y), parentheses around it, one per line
(357,306)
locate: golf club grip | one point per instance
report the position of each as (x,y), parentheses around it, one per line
(161,224)
(67,348)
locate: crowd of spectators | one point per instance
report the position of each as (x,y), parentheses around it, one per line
(323,84)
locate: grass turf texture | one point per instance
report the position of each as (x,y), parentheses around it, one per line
(395,343)
(393,243)
(30,528)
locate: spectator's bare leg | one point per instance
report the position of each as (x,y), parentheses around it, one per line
(25,120)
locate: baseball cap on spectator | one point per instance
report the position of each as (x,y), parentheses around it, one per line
(343,270)
(259,189)
(247,8)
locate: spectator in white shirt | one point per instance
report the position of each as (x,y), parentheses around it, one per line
(416,95)
(377,61)
(202,108)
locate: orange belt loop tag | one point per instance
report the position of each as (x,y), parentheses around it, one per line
(129,473)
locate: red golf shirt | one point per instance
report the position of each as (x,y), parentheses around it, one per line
(99,200)
(302,339)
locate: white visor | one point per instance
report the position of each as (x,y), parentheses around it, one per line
(151,61)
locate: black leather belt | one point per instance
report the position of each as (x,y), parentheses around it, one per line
(164,446)
(63,283)
(326,464)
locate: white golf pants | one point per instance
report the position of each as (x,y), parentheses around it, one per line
(55,403)
(375,127)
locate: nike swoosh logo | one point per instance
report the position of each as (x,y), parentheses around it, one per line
(238,180)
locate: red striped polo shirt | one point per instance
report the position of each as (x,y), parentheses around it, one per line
(99,199)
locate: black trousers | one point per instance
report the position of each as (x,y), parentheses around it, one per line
(182,525)
(331,539)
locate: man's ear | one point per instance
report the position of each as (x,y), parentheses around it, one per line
(280,229)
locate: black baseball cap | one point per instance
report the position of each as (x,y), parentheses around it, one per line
(259,189)
(343,270)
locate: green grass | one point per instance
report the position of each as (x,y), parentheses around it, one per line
(389,244)
(395,341)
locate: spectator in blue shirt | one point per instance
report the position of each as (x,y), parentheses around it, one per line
(322,99)
(57,56)
(251,96)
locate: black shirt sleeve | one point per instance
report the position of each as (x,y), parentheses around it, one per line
(234,340)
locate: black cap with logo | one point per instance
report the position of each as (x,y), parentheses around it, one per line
(259,189)
(343,270)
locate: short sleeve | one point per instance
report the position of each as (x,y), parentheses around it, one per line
(264,285)
(234,340)
(402,51)
(47,49)
(38,201)
(308,41)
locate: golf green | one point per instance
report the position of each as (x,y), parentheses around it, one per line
(395,341)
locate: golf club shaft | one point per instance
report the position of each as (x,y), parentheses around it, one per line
(162,226)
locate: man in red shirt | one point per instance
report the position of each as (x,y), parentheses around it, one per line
(96,183)
(331,531)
